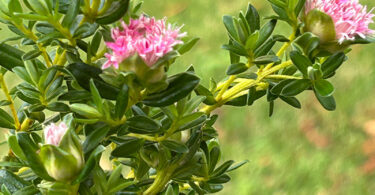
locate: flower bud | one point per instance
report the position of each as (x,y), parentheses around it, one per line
(321,25)
(337,23)
(153,78)
(57,188)
(62,154)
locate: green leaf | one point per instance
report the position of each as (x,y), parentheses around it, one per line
(38,7)
(85,110)
(265,48)
(265,32)
(220,179)
(192,120)
(175,146)
(229,25)
(44,28)
(11,181)
(33,71)
(236,49)
(58,107)
(266,59)
(92,161)
(47,77)
(117,10)
(300,61)
(11,164)
(188,45)
(5,191)
(180,86)
(236,69)
(308,42)
(10,57)
(276,90)
(96,96)
(239,101)
(254,95)
(143,124)
(29,148)
(29,190)
(328,102)
(237,165)
(6,121)
(291,101)
(323,87)
(83,73)
(17,150)
(222,169)
(299,7)
(31,17)
(114,178)
(252,18)
(71,14)
(332,64)
(31,55)
(280,38)
(278,3)
(194,103)
(121,186)
(128,148)
(295,87)
(214,158)
(95,43)
(14,6)
(202,91)
(94,138)
(4,102)
(75,95)
(122,102)
(251,41)
(86,30)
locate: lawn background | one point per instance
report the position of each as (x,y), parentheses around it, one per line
(307,151)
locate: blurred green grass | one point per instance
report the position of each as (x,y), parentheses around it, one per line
(308,151)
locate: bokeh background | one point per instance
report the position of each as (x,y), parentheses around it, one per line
(307,151)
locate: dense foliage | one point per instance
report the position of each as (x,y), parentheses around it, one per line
(158,128)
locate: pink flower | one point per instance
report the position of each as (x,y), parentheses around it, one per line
(351,19)
(151,39)
(54,133)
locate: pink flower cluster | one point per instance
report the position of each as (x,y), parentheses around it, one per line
(53,133)
(151,39)
(349,16)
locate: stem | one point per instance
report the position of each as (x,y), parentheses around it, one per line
(225,87)
(65,32)
(162,178)
(282,77)
(244,85)
(168,133)
(11,105)
(283,48)
(30,34)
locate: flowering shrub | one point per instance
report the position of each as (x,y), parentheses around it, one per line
(95,78)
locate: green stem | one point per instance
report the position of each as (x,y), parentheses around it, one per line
(30,34)
(284,47)
(11,105)
(282,77)
(244,85)
(161,180)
